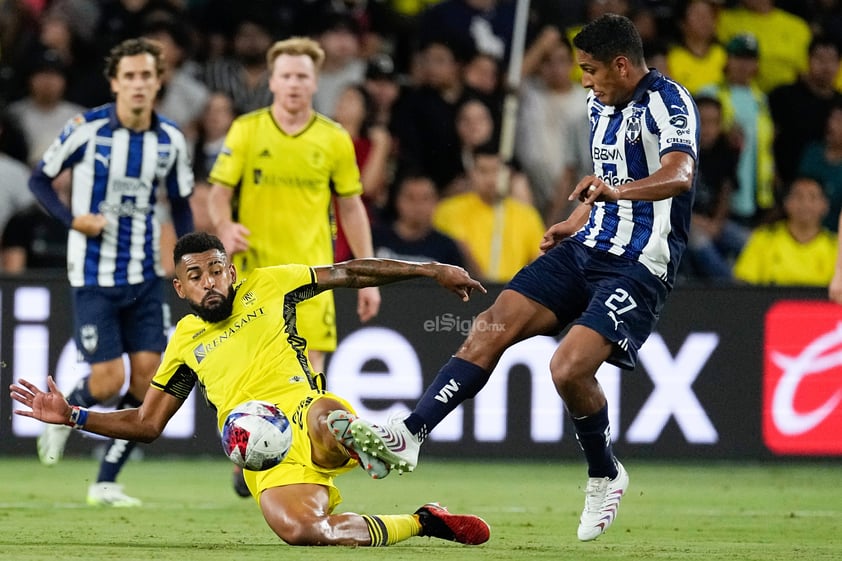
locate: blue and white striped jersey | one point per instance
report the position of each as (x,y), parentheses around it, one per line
(626,145)
(117,172)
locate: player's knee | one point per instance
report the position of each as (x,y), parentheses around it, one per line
(106,382)
(567,373)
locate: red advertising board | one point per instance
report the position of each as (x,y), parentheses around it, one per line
(802,378)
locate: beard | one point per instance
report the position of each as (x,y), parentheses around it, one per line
(218,312)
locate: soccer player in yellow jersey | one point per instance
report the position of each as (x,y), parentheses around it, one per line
(242,344)
(279,167)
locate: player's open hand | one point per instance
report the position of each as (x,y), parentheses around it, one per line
(457,280)
(49,406)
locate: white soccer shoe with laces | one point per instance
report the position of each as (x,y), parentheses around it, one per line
(602,500)
(391,442)
(51,443)
(110,494)
(339,423)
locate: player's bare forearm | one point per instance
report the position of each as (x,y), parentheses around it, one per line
(143,424)
(360,273)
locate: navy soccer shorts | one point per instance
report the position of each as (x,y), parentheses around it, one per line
(112,320)
(616,297)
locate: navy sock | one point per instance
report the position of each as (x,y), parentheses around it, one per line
(457,381)
(81,394)
(594,438)
(118,450)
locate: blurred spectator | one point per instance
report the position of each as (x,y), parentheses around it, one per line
(339,37)
(715,240)
(18,34)
(411,236)
(182,97)
(698,59)
(381,83)
(795,251)
(655,52)
(646,23)
(12,138)
(34,240)
(553,130)
(481,74)
(125,19)
(213,126)
(800,109)
(372,147)
(44,112)
(823,162)
(749,124)
(373,20)
(500,233)
(244,76)
(86,86)
(593,10)
(424,119)
(783,39)
(474,128)
(487,24)
(14,194)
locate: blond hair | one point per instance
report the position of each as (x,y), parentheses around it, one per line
(296,46)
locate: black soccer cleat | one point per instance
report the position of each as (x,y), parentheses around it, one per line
(437,522)
(239,483)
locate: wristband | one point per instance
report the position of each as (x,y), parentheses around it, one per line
(78,417)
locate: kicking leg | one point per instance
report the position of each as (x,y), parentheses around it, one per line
(512,318)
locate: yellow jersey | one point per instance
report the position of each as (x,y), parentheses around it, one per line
(773,257)
(256,353)
(285,184)
(695,72)
(467,218)
(782,39)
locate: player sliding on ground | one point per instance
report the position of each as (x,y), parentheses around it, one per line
(241,344)
(605,272)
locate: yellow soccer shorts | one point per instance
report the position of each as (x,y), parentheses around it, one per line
(315,319)
(298,467)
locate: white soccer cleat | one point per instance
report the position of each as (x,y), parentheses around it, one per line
(339,423)
(602,500)
(51,443)
(392,443)
(110,494)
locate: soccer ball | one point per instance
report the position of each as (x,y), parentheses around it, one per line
(256,435)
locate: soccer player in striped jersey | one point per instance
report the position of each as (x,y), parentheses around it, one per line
(605,272)
(120,156)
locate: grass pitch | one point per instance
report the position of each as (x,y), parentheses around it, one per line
(704,512)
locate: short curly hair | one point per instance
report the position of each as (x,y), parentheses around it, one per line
(196,242)
(132,47)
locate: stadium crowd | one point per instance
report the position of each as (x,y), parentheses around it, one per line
(420,86)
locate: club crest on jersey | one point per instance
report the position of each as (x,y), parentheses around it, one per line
(248,298)
(633,128)
(89,336)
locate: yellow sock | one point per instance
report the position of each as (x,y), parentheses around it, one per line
(390,529)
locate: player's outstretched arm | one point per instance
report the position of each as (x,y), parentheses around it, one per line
(359,273)
(143,424)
